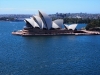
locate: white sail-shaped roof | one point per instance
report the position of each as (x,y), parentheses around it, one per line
(43,25)
(32,22)
(46,19)
(43,21)
(38,20)
(72,26)
(27,23)
(66,26)
(54,25)
(59,22)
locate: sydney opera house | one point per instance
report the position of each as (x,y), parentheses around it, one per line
(42,24)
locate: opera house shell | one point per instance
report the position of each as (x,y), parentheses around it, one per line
(70,27)
(43,21)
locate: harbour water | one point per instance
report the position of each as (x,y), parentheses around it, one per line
(47,55)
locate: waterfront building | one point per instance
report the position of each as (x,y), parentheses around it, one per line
(42,24)
(43,21)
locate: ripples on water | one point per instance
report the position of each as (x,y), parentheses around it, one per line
(50,55)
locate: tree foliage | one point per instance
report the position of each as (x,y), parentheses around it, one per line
(91,23)
(76,20)
(7,19)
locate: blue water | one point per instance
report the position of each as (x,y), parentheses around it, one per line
(80,26)
(47,55)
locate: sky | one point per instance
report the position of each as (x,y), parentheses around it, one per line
(49,6)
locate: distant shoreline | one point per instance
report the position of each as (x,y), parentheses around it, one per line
(11,21)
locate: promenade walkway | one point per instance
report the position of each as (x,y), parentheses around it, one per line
(23,33)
